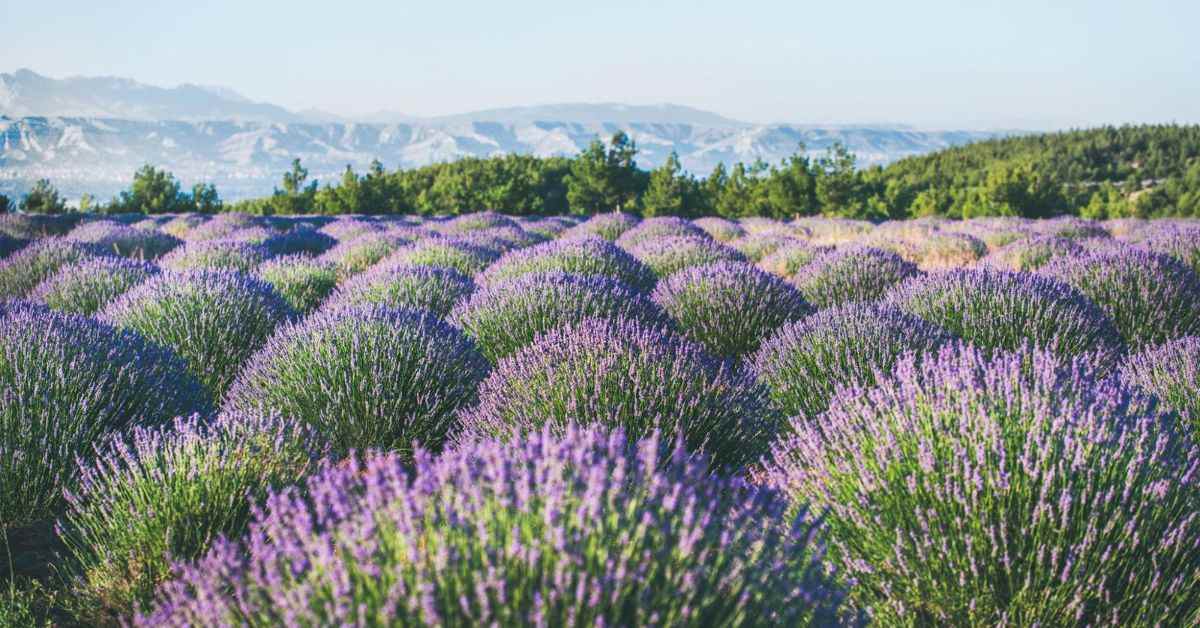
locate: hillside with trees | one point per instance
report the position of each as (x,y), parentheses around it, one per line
(1108,172)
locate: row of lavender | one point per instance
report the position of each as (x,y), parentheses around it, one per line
(641,422)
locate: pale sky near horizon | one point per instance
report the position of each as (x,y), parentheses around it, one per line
(933,63)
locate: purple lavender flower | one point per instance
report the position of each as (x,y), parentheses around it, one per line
(215,228)
(1070,227)
(213,319)
(659,227)
(167,493)
(719,228)
(67,381)
(579,529)
(623,373)
(509,315)
(668,255)
(582,256)
(851,275)
(1151,298)
(456,254)
(24,270)
(729,307)
(125,241)
(1031,253)
(806,362)
(1182,244)
(477,221)
(999,310)
(960,480)
(345,229)
(1171,373)
(365,377)
(354,256)
(788,259)
(86,286)
(419,287)
(215,255)
(759,245)
(609,226)
(304,282)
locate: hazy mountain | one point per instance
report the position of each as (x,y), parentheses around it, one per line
(246,158)
(90,134)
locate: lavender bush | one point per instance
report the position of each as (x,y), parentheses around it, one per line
(354,256)
(302,281)
(509,315)
(213,319)
(215,255)
(788,259)
(720,228)
(659,227)
(167,493)
(67,381)
(579,530)
(998,310)
(608,226)
(623,373)
(757,246)
(850,275)
(85,287)
(365,377)
(1182,244)
(125,241)
(1014,490)
(420,287)
(22,271)
(581,256)
(1171,373)
(668,255)
(1151,298)
(806,362)
(729,307)
(1032,253)
(464,257)
(302,241)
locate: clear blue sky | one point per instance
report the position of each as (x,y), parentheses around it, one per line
(941,63)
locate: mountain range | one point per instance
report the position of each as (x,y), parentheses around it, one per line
(89,134)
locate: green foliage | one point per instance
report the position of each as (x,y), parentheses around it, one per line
(153,191)
(43,199)
(6,204)
(603,178)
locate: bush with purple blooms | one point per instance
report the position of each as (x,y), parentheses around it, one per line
(720,228)
(215,255)
(464,257)
(1029,254)
(22,271)
(304,282)
(1151,298)
(1182,244)
(608,226)
(788,259)
(757,246)
(1020,489)
(626,374)
(581,256)
(67,381)
(365,377)
(851,275)
(668,255)
(303,241)
(419,287)
(659,227)
(583,529)
(125,241)
(354,256)
(1170,372)
(478,221)
(729,307)
(37,226)
(85,287)
(806,362)
(999,310)
(167,493)
(504,317)
(214,320)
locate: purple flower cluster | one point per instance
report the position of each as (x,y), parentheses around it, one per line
(22,271)
(421,287)
(720,228)
(67,381)
(123,240)
(1151,298)
(659,227)
(581,256)
(354,256)
(478,221)
(1000,310)
(509,315)
(806,362)
(365,377)
(788,259)
(668,255)
(87,286)
(729,307)
(623,373)
(1171,373)
(346,229)
(215,255)
(851,274)
(468,259)
(1019,489)
(609,226)
(759,245)
(1032,253)
(573,530)
(1182,244)
(304,282)
(213,319)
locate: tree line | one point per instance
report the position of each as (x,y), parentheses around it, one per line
(1108,172)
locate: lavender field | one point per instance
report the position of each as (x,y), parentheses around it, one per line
(227,420)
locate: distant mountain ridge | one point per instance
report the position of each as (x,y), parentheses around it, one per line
(90,134)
